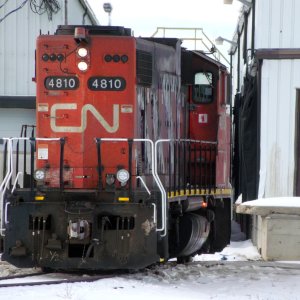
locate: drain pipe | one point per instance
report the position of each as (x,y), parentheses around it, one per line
(66,12)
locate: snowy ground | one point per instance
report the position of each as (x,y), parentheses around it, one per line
(235,273)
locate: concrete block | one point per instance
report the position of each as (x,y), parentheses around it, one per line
(280,237)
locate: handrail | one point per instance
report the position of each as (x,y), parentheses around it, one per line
(4,184)
(156,178)
(164,194)
(9,173)
(144,184)
(204,39)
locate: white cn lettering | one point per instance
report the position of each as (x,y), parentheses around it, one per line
(84,110)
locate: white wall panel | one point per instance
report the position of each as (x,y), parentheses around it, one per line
(18,33)
(13,119)
(277,23)
(280,81)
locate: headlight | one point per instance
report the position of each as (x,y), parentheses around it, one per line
(39,175)
(123,176)
(82,66)
(82,52)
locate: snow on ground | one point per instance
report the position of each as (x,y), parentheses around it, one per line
(236,251)
(208,280)
(235,273)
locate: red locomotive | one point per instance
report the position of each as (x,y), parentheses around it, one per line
(131,160)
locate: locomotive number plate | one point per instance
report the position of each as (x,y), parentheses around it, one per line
(106,83)
(61,83)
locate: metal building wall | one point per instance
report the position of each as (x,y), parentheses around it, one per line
(280,79)
(18,33)
(276,26)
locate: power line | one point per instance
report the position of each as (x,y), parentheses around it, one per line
(37,6)
(45,6)
(2,19)
(3,4)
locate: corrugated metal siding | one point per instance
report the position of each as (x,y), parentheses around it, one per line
(18,33)
(276,26)
(280,80)
(13,119)
(277,23)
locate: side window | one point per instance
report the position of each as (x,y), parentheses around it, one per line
(203,87)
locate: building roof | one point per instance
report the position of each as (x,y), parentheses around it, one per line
(89,11)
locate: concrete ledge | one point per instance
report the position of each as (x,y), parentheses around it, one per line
(268,206)
(266,210)
(275,227)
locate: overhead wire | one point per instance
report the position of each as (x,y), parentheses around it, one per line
(37,6)
(45,6)
(3,4)
(14,10)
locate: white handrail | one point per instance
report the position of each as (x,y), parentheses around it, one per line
(5,213)
(144,184)
(156,178)
(16,181)
(8,175)
(4,183)
(164,194)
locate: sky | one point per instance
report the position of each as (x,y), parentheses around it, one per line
(214,17)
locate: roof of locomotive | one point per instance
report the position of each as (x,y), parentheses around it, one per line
(94,30)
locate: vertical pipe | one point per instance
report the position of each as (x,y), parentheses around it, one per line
(98,144)
(170,171)
(211,168)
(5,159)
(61,164)
(190,166)
(200,168)
(32,144)
(130,143)
(231,121)
(25,150)
(174,166)
(258,129)
(17,156)
(195,165)
(184,165)
(178,168)
(66,12)
(239,63)
(253,29)
(207,168)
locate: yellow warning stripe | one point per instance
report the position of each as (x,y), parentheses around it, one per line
(200,192)
(123,199)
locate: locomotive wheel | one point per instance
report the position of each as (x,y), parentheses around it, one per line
(193,232)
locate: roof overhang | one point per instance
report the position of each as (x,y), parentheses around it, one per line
(27,102)
(85,4)
(278,53)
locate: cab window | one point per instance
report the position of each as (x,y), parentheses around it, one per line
(203,87)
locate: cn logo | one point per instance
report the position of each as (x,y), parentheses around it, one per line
(202,118)
(87,107)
